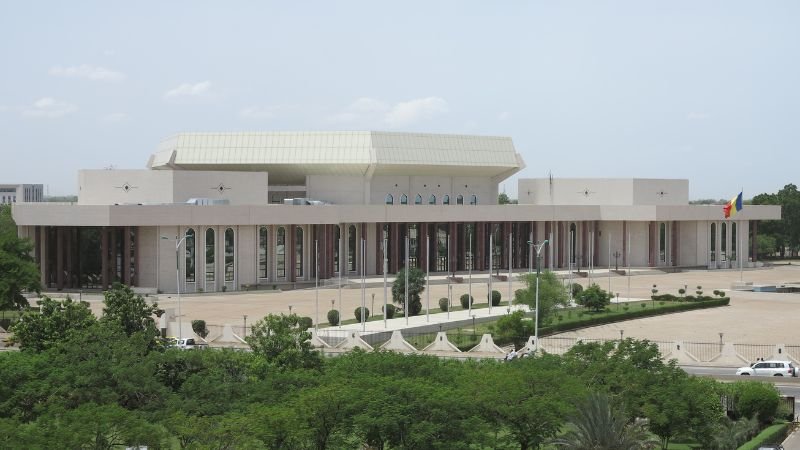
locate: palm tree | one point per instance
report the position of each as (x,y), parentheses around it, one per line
(597,426)
(733,433)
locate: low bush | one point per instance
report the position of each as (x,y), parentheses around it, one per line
(390,310)
(771,434)
(576,289)
(357,313)
(496,296)
(631,314)
(199,328)
(444,303)
(333,317)
(466,301)
(305,323)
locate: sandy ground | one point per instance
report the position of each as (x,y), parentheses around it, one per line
(758,318)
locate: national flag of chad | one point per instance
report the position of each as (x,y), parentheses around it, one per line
(733,206)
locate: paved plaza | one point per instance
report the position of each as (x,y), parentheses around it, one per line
(752,317)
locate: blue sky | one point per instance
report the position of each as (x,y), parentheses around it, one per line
(704,90)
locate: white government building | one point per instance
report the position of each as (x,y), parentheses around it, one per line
(282,208)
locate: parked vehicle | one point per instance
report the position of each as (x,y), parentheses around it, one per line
(189,344)
(769,369)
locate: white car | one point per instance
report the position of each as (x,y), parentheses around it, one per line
(769,369)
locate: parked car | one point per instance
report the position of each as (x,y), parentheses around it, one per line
(770,369)
(190,344)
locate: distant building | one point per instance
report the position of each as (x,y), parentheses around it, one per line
(281,208)
(17,193)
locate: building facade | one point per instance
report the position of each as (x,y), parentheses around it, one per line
(250,209)
(13,193)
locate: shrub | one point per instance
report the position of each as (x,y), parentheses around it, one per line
(626,308)
(496,298)
(305,323)
(199,328)
(576,289)
(716,292)
(682,292)
(390,310)
(466,301)
(333,317)
(444,303)
(357,313)
(699,291)
(755,400)
(643,305)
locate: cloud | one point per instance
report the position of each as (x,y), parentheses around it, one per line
(697,116)
(48,108)
(373,112)
(200,89)
(405,113)
(87,71)
(258,112)
(114,117)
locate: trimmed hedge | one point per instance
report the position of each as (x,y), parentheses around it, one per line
(390,310)
(771,434)
(633,314)
(466,300)
(305,322)
(333,317)
(496,296)
(357,314)
(444,304)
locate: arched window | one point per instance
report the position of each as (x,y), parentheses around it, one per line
(404,199)
(460,199)
(229,255)
(263,245)
(298,252)
(662,242)
(724,245)
(713,241)
(446,200)
(418,200)
(210,254)
(280,253)
(432,200)
(473,200)
(351,248)
(190,256)
(389,199)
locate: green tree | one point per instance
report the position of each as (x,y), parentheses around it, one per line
(129,310)
(416,284)
(594,298)
(682,404)
(786,231)
(18,270)
(40,331)
(504,199)
(767,245)
(597,425)
(754,400)
(199,327)
(284,345)
(552,294)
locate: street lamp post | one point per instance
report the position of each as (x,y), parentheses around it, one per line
(178,279)
(245,325)
(621,332)
(538,248)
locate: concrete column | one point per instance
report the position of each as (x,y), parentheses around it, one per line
(136,266)
(423,251)
(394,241)
(548,228)
(435,247)
(126,256)
(651,243)
(597,237)
(290,254)
(480,228)
(754,242)
(675,251)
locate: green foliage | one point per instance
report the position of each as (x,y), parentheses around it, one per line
(754,400)
(444,304)
(416,284)
(496,297)
(358,311)
(199,328)
(129,310)
(466,300)
(682,292)
(576,289)
(333,317)
(594,298)
(282,343)
(552,294)
(390,311)
(767,245)
(771,434)
(786,231)
(513,328)
(503,199)
(18,270)
(56,319)
(305,322)
(598,425)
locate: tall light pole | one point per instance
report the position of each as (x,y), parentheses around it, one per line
(538,248)
(178,278)
(385,269)
(408,246)
(316,282)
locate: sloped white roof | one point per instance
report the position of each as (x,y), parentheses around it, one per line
(289,156)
